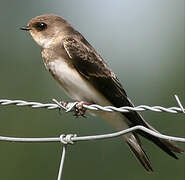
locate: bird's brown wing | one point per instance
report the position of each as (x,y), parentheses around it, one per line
(92,67)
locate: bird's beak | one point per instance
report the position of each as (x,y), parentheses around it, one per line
(25,28)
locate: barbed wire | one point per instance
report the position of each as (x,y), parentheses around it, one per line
(94,107)
(72,138)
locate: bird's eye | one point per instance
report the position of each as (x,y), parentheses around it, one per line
(40,26)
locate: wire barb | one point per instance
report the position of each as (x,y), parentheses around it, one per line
(60,104)
(179,103)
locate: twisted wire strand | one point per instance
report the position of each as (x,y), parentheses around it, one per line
(95,107)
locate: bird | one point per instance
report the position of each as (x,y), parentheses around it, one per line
(85,77)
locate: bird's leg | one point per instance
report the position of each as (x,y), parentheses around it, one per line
(79,109)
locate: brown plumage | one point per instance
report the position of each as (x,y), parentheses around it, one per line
(84,76)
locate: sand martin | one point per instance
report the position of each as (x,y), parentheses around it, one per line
(84,76)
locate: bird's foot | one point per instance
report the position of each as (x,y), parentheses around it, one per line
(80,110)
(76,106)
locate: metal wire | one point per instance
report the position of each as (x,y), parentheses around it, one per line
(95,107)
(71,138)
(62,162)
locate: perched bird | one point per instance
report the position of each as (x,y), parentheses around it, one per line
(85,77)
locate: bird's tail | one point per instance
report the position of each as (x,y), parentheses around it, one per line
(166,145)
(134,143)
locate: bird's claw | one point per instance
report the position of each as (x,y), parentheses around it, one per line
(80,110)
(77,107)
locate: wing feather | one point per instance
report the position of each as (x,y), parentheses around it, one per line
(92,67)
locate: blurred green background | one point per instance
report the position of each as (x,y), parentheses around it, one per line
(142,41)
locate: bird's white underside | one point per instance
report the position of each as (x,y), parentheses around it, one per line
(80,89)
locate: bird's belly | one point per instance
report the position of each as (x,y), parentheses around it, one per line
(79,89)
(74,85)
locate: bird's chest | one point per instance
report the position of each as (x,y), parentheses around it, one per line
(71,81)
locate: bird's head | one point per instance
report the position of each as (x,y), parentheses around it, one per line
(45,28)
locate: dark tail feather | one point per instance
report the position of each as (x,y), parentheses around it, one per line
(135,146)
(172,146)
(168,146)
